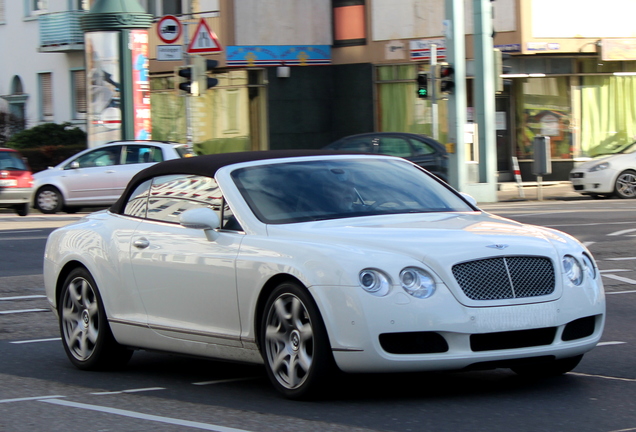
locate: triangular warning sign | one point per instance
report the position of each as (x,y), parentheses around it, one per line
(204,40)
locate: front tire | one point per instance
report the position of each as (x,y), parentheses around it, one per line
(49,200)
(625,186)
(553,368)
(86,335)
(294,343)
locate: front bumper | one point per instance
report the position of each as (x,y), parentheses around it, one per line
(13,196)
(596,182)
(399,333)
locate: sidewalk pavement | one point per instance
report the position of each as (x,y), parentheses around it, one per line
(530,191)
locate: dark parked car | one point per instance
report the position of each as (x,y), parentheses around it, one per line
(419,149)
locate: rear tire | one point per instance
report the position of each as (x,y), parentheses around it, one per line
(49,200)
(553,368)
(86,335)
(22,209)
(294,343)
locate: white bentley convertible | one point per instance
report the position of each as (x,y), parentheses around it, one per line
(307,262)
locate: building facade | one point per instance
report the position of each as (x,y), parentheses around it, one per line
(303,73)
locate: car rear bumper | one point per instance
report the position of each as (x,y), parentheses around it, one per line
(13,196)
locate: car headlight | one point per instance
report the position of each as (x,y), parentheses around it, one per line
(600,167)
(572,269)
(374,282)
(417,282)
(589,266)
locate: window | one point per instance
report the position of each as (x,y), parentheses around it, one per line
(164,198)
(142,154)
(78,80)
(97,158)
(35,7)
(395,147)
(46,95)
(171,7)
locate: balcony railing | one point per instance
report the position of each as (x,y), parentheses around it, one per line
(60,31)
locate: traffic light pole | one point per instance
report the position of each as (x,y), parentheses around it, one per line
(434,106)
(186,59)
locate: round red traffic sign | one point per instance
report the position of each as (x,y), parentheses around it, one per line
(169,29)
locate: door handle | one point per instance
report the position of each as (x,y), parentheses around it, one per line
(109,171)
(141,243)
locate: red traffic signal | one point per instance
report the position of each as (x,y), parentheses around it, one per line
(447,77)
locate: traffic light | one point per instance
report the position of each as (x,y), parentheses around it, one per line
(422,85)
(446,78)
(197,80)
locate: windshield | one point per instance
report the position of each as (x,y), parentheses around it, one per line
(340,188)
(11,161)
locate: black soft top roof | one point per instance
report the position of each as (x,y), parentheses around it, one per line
(208,165)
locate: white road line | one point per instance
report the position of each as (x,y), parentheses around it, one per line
(36,340)
(22,311)
(129,391)
(585,375)
(223,381)
(613,270)
(621,292)
(621,259)
(610,343)
(23,231)
(621,232)
(31,398)
(588,244)
(620,278)
(23,238)
(22,297)
(142,416)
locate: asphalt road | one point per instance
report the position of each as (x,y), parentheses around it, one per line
(41,390)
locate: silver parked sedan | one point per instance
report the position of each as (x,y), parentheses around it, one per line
(96,177)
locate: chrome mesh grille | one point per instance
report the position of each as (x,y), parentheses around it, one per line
(505,277)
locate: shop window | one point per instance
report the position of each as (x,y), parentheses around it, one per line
(544,109)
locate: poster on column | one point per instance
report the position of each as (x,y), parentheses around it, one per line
(141,84)
(102,92)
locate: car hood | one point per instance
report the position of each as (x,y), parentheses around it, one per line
(585,166)
(442,238)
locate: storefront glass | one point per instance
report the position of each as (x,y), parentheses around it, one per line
(544,108)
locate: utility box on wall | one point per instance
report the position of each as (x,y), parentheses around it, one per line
(542,164)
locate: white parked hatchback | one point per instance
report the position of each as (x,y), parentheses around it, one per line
(97,176)
(611,173)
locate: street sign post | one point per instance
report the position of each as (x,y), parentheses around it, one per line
(204,40)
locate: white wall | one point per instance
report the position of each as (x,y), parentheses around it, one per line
(20,56)
(407,19)
(283,22)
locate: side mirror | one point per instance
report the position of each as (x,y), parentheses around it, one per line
(201,218)
(469,198)
(75,165)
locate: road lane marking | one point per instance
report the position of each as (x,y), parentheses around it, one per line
(610,343)
(22,297)
(621,232)
(38,398)
(23,238)
(588,375)
(223,381)
(620,259)
(23,231)
(588,244)
(22,311)
(621,292)
(620,278)
(129,391)
(36,340)
(142,416)
(613,270)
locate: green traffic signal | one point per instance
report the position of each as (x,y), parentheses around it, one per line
(422,85)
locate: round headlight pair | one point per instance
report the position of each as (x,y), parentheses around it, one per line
(575,271)
(415,281)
